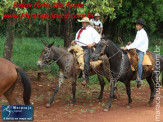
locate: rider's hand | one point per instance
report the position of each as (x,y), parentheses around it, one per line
(73,42)
(123,48)
(89,46)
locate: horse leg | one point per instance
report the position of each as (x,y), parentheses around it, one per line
(61,80)
(111,96)
(152,88)
(162,80)
(128,90)
(10,95)
(73,90)
(102,84)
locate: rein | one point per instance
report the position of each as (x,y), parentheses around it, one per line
(112,79)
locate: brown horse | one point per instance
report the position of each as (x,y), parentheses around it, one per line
(8,77)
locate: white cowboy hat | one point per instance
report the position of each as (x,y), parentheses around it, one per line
(97,15)
(85,19)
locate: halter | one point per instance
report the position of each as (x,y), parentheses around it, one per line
(47,56)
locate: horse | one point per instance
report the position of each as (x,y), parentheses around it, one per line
(97,28)
(67,68)
(120,69)
(8,78)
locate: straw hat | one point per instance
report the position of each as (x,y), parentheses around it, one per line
(97,15)
(85,19)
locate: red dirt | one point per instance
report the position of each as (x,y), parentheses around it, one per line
(87,108)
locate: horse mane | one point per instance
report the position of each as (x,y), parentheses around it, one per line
(62,49)
(109,41)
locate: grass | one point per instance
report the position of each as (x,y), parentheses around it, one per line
(26,51)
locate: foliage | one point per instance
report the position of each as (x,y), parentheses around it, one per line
(104,7)
(150,10)
(26,53)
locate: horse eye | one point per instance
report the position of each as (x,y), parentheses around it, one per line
(45,52)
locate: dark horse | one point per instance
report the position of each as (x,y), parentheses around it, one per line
(8,77)
(67,67)
(120,69)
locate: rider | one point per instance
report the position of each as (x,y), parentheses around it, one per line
(141,44)
(86,37)
(97,21)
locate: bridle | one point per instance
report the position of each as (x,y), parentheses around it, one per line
(47,59)
(112,79)
(102,50)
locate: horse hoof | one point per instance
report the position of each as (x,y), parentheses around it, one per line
(150,104)
(48,105)
(71,104)
(99,98)
(106,109)
(128,107)
(115,97)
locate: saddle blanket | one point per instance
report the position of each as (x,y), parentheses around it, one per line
(79,54)
(148,62)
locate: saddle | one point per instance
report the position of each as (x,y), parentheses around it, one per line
(78,53)
(148,62)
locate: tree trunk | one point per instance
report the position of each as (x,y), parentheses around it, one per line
(59,28)
(8,46)
(47,29)
(67,29)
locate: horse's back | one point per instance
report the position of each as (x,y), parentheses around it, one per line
(8,75)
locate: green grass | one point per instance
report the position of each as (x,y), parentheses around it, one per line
(27,51)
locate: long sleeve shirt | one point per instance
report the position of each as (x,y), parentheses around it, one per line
(97,22)
(88,36)
(141,41)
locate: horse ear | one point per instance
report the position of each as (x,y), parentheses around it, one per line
(44,42)
(50,45)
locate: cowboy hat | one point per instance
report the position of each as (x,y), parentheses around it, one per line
(140,21)
(85,19)
(97,15)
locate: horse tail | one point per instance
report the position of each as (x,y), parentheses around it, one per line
(26,84)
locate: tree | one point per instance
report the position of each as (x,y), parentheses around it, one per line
(67,29)
(7,8)
(123,26)
(8,47)
(107,8)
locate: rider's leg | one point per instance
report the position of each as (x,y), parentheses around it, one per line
(140,67)
(86,65)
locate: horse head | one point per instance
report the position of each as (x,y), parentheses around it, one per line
(46,55)
(97,28)
(99,51)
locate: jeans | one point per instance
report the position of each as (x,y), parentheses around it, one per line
(86,62)
(140,67)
